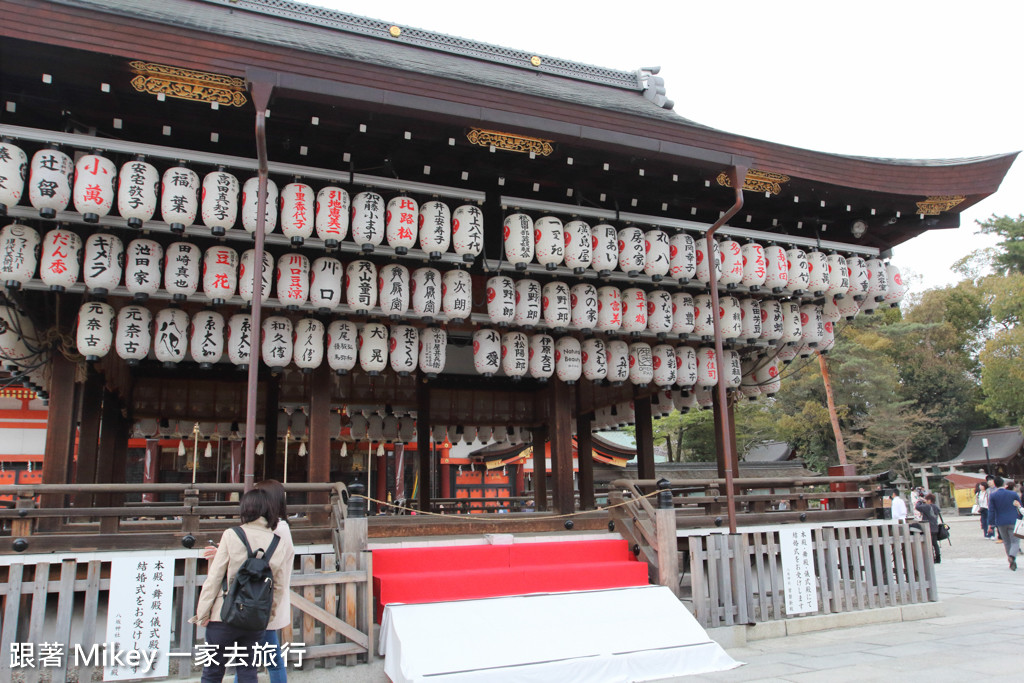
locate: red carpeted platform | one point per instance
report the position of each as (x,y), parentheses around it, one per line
(465,572)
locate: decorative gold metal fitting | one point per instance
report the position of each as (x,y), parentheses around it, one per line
(187,84)
(535,60)
(395,31)
(933,206)
(510,142)
(757,181)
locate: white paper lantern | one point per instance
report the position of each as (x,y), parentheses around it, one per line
(792,327)
(433,351)
(617,355)
(325,287)
(682,314)
(406,429)
(95,329)
(830,311)
(501,299)
(95,187)
(828,339)
(528,303)
(143,264)
(707,367)
(776,268)
(239,338)
(277,345)
(703,268)
(731,316)
(659,312)
(170,336)
(682,257)
(13,171)
(767,376)
(819,280)
(732,263)
(897,288)
(786,354)
(332,215)
(439,433)
(298,212)
(426,293)
(486,352)
(847,307)
(838,276)
(869,304)
(578,246)
(550,242)
(703,316)
(457,294)
(103,264)
(657,259)
(134,334)
(686,366)
(664,362)
(595,359)
(394,288)
(358,427)
(755,269)
(220,274)
(804,351)
(799,271)
(404,349)
(402,218)
(626,413)
(206,342)
(685,401)
(361,286)
(705,397)
(246,271)
(556,305)
(15,330)
(179,198)
(518,240)
(19,254)
(468,231)
(308,344)
(390,429)
(542,356)
(632,254)
(634,310)
(515,350)
(583,299)
(568,359)
(748,387)
(641,363)
(220,201)
(878,280)
(61,254)
(733,370)
(250,216)
(750,320)
(49,184)
(857,270)
(609,309)
(435,228)
(604,243)
(812,325)
(772,321)
(342,349)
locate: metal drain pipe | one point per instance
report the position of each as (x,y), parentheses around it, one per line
(737,175)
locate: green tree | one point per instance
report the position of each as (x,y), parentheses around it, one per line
(1010,257)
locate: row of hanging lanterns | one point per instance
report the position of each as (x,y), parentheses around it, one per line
(95,185)
(382,428)
(133,331)
(484,434)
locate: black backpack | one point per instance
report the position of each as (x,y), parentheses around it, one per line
(250,599)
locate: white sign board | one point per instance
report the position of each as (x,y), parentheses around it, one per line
(138,618)
(799,582)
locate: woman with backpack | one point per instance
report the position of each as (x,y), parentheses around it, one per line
(930,514)
(259,519)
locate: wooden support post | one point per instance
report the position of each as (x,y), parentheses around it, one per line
(423,455)
(562,401)
(110,416)
(833,416)
(88,435)
(644,438)
(60,430)
(720,447)
(118,467)
(151,468)
(540,468)
(668,549)
(272,389)
(585,458)
(320,437)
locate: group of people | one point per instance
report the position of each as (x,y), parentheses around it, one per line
(999,506)
(264,515)
(927,512)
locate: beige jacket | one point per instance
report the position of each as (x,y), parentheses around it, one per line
(283,614)
(230,555)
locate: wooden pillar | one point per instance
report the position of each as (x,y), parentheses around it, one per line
(562,401)
(540,467)
(237,461)
(644,438)
(151,468)
(380,468)
(110,416)
(122,427)
(585,458)
(88,435)
(426,463)
(320,437)
(60,428)
(719,446)
(271,409)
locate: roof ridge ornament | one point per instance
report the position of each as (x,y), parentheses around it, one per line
(757,181)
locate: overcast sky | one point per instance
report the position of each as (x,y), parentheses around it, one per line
(901,79)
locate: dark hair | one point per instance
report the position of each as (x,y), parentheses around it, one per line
(256,504)
(998,481)
(930,497)
(278,499)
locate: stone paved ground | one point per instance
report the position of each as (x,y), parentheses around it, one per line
(981,635)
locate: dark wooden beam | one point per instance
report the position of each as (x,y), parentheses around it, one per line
(60,427)
(88,434)
(272,395)
(423,426)
(585,460)
(320,435)
(644,438)
(719,446)
(562,401)
(540,467)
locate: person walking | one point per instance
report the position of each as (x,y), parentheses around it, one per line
(929,512)
(981,499)
(899,507)
(1003,508)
